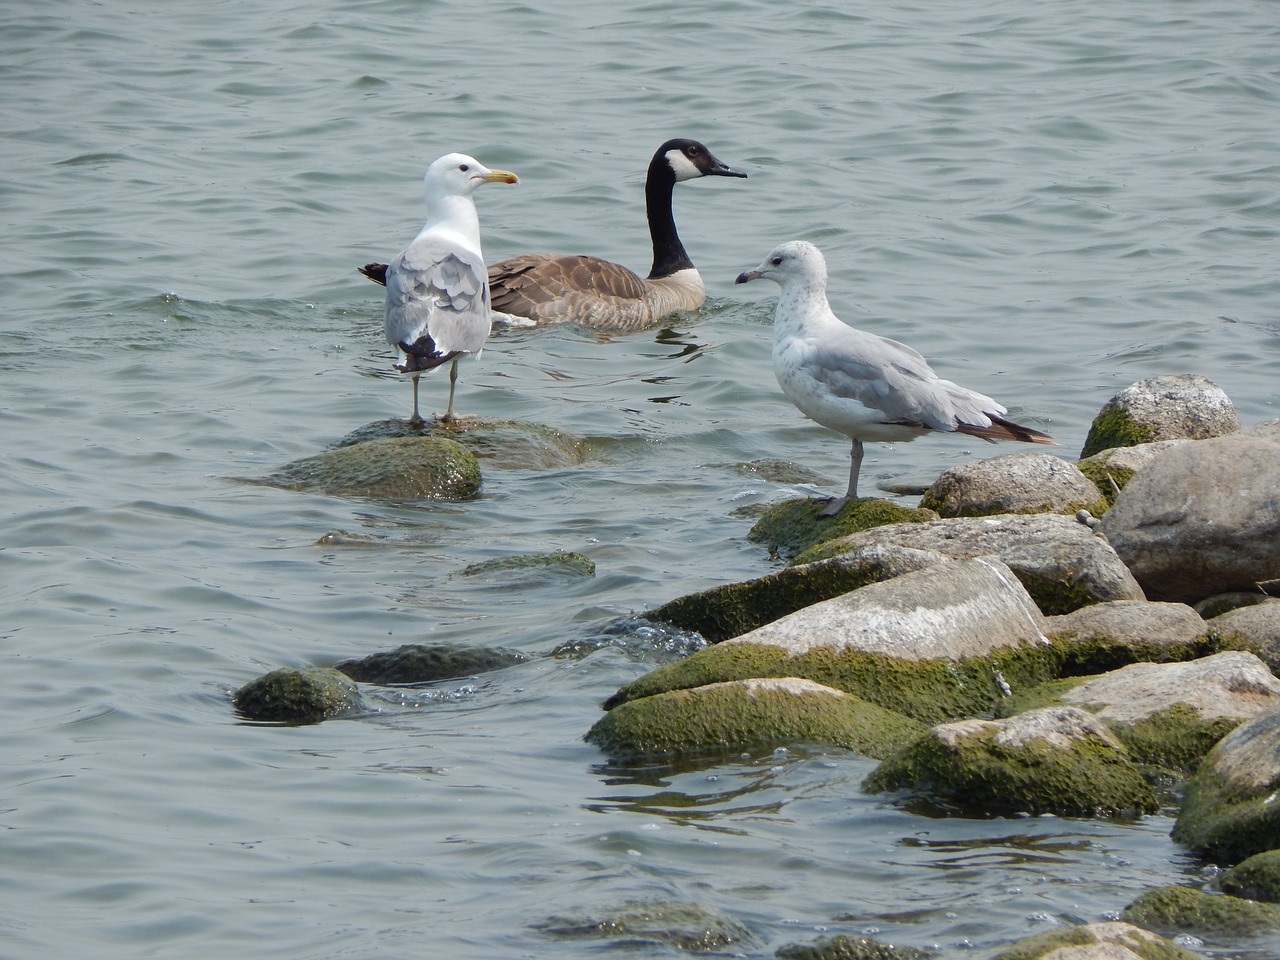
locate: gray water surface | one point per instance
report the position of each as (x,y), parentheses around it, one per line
(1050,201)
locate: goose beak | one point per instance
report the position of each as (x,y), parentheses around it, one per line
(500,176)
(748,276)
(724,170)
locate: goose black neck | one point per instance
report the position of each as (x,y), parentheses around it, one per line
(668,252)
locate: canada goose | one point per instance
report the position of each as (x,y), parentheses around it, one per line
(859,384)
(437,306)
(547,288)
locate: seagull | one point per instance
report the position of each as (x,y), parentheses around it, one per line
(864,386)
(546,288)
(437,306)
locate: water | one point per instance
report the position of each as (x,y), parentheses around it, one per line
(1049,201)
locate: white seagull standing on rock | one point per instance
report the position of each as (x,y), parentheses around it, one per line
(862,385)
(437,306)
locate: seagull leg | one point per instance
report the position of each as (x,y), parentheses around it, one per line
(415,420)
(453,379)
(855,465)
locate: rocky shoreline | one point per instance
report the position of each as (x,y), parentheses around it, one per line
(1098,638)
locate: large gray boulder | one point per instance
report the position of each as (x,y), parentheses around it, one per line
(1060,561)
(1255,628)
(1201,519)
(1013,483)
(1184,406)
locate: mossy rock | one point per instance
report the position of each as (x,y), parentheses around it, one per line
(789,528)
(298,695)
(851,948)
(1113,427)
(1226,824)
(423,663)
(402,468)
(974,764)
(1256,878)
(502,444)
(1112,940)
(684,926)
(1175,910)
(733,609)
(749,713)
(1109,480)
(930,691)
(1175,739)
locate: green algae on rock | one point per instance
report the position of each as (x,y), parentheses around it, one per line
(502,444)
(685,926)
(402,468)
(790,527)
(1056,760)
(1096,941)
(733,609)
(1174,910)
(745,713)
(1255,878)
(298,695)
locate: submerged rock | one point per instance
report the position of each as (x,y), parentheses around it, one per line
(1184,406)
(559,563)
(745,713)
(1096,941)
(298,695)
(684,926)
(1058,760)
(1175,910)
(851,948)
(1202,519)
(502,444)
(424,663)
(1229,810)
(404,468)
(1013,483)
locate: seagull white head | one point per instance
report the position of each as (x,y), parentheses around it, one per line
(457,175)
(790,262)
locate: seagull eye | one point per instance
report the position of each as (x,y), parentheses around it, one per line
(463,167)
(776,261)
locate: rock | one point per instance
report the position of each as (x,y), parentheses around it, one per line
(1255,878)
(1013,483)
(685,926)
(1221,603)
(1113,468)
(1175,910)
(1059,560)
(791,526)
(420,663)
(298,695)
(1255,628)
(1169,714)
(1096,941)
(1201,519)
(558,563)
(1228,811)
(405,468)
(775,470)
(1267,430)
(930,644)
(1108,635)
(1162,408)
(502,444)
(733,609)
(1058,760)
(748,713)
(851,948)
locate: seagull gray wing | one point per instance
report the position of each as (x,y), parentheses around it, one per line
(891,377)
(440,290)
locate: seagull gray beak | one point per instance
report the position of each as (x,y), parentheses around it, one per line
(749,275)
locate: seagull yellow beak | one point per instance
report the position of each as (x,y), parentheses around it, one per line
(500,176)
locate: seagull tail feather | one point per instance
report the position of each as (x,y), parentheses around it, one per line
(1002,429)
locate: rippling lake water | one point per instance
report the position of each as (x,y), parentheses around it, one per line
(1050,201)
